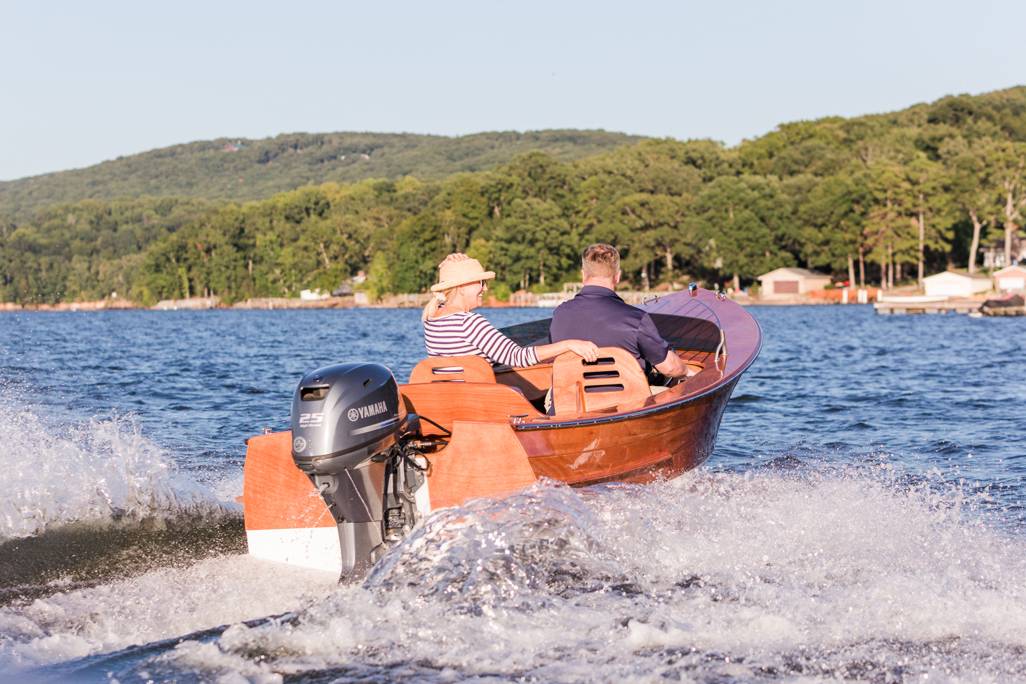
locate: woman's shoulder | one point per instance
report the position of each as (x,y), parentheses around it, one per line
(476,319)
(467,321)
(457,318)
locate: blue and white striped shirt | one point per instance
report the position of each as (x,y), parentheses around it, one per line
(469,334)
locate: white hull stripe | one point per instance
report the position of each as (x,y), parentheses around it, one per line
(308,547)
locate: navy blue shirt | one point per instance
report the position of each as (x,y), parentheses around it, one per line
(597,314)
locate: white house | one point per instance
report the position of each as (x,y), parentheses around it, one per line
(955,284)
(312,295)
(994,253)
(1010,279)
(788,282)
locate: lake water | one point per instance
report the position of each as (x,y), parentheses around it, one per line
(862,517)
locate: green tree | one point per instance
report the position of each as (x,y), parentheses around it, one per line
(379,277)
(534,243)
(833,217)
(739,220)
(657,233)
(929,204)
(971,185)
(1009,163)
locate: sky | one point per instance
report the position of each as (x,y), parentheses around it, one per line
(83,82)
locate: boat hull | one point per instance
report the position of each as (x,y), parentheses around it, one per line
(487,437)
(285,517)
(287,521)
(635,449)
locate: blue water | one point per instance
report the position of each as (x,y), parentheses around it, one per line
(862,517)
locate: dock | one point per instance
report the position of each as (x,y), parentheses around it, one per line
(920,304)
(926,305)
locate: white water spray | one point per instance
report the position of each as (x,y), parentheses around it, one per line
(98,472)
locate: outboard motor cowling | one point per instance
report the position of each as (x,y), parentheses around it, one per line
(346,422)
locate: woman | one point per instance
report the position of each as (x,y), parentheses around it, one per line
(450,329)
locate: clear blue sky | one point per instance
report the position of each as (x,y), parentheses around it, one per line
(82,82)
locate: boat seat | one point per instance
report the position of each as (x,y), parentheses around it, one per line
(613,379)
(452,369)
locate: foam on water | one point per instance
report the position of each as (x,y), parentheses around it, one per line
(157,605)
(763,575)
(101,471)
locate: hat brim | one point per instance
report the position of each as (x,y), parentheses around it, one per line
(448,284)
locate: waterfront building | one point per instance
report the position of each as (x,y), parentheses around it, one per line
(994,253)
(786,283)
(955,284)
(1010,279)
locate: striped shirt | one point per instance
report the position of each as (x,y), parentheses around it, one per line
(470,334)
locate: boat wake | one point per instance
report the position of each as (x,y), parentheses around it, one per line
(810,570)
(85,503)
(71,631)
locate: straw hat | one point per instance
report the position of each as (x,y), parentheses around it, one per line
(459,269)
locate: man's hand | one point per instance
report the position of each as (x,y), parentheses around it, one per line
(672,366)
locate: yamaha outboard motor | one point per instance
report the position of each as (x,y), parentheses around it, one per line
(347,424)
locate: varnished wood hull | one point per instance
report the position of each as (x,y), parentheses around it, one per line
(636,449)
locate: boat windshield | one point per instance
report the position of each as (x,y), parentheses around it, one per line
(681,331)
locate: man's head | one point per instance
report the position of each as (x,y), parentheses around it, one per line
(600,265)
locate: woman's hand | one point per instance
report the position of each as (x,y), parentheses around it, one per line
(587,350)
(582,348)
(455,256)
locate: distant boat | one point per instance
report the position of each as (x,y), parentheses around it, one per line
(1007,305)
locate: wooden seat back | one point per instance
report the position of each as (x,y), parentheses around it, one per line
(613,379)
(452,369)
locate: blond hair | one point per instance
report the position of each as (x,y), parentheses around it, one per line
(437,300)
(600,260)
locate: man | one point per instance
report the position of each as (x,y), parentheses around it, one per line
(599,315)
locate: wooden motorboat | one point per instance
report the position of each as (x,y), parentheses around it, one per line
(461,429)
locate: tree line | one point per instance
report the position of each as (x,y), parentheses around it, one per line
(878,199)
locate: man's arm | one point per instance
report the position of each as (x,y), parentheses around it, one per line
(658,351)
(672,366)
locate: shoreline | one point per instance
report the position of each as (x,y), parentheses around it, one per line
(289,304)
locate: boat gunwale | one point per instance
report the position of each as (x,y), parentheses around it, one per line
(647,410)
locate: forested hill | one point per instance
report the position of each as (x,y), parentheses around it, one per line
(886,199)
(241,169)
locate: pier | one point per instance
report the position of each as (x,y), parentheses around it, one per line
(1007,306)
(926,305)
